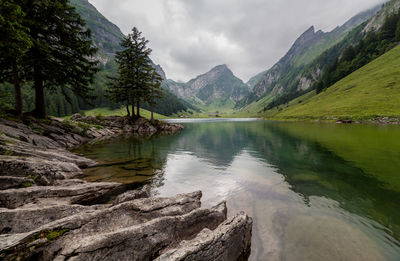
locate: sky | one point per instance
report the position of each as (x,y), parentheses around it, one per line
(189,37)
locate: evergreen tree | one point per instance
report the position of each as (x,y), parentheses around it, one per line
(155,91)
(15,42)
(62,52)
(134,71)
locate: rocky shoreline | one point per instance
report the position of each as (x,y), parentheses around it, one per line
(48,213)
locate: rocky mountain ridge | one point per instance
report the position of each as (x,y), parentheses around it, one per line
(287,75)
(217,84)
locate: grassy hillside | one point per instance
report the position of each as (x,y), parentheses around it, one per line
(373,90)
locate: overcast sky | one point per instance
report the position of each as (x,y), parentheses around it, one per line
(189,37)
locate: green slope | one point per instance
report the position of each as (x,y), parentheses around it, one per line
(373,90)
(120,112)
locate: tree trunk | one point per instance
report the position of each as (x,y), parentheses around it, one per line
(152,109)
(40,107)
(17,87)
(127,110)
(138,109)
(133,110)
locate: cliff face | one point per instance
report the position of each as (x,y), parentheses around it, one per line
(377,21)
(106,35)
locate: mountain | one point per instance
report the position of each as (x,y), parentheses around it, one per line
(370,92)
(255,79)
(377,21)
(288,74)
(217,88)
(106,35)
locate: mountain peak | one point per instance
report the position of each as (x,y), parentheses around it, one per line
(222,67)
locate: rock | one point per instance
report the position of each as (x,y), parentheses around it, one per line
(344,122)
(141,126)
(22,220)
(144,241)
(76,116)
(42,172)
(142,227)
(55,195)
(130,195)
(8,182)
(229,241)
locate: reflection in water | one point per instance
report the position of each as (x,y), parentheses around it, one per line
(315,191)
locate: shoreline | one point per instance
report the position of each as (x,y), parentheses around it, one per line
(48,212)
(341,120)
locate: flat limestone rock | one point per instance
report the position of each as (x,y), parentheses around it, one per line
(229,241)
(144,241)
(142,229)
(8,182)
(43,172)
(130,195)
(55,195)
(20,220)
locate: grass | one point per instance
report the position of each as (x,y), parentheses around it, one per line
(54,234)
(98,112)
(370,92)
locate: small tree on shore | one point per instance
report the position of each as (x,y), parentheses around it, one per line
(132,84)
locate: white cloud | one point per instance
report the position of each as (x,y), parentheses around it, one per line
(188,37)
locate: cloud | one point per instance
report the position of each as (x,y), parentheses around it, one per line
(189,37)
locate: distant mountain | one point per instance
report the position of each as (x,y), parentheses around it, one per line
(219,85)
(287,75)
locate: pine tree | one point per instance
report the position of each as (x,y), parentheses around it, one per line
(134,71)
(155,91)
(62,51)
(14,44)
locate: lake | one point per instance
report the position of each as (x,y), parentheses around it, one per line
(315,191)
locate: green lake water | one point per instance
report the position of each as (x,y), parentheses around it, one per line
(315,191)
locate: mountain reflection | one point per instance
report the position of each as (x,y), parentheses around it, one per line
(302,154)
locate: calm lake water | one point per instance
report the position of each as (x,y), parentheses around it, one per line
(315,191)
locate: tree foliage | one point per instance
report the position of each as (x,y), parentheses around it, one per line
(14,44)
(137,80)
(52,46)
